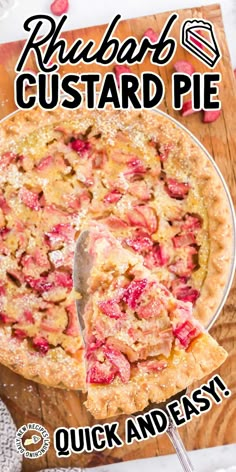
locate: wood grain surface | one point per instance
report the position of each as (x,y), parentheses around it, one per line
(29,402)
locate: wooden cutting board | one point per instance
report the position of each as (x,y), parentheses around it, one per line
(30,402)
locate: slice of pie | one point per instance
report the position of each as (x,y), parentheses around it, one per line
(138,174)
(198,36)
(142,343)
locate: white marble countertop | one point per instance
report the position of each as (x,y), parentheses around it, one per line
(213,459)
(93,12)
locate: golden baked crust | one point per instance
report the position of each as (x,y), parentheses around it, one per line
(56,370)
(220,231)
(183,369)
(188,159)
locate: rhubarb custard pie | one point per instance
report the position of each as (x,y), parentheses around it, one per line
(161,211)
(142,343)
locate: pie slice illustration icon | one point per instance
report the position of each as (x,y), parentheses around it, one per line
(34,440)
(198,37)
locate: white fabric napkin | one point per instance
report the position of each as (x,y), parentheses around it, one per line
(10,460)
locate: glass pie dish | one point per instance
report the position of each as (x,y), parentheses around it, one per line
(34,120)
(29,203)
(232,266)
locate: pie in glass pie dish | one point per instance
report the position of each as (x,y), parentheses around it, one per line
(150,188)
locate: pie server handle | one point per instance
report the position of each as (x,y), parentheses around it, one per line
(181,452)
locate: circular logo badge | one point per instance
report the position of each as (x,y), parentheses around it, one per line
(32,440)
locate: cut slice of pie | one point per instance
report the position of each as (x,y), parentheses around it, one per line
(142,343)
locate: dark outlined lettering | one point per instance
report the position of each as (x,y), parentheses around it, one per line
(109,92)
(52,50)
(210,388)
(130,51)
(132,434)
(111,435)
(150,79)
(189,408)
(19,86)
(129,87)
(35,41)
(175,413)
(211,90)
(61,442)
(203,88)
(90,80)
(141,427)
(67,88)
(181,85)
(203,402)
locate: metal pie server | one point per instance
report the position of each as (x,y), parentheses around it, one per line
(81,272)
(172,431)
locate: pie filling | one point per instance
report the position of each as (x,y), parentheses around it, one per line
(54,182)
(133,321)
